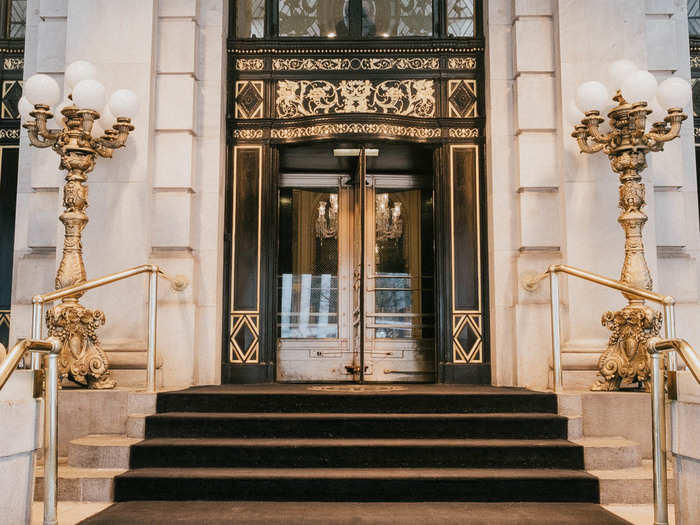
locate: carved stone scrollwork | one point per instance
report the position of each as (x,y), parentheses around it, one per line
(81,358)
(626,358)
(303,98)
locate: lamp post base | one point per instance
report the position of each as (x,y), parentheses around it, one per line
(81,358)
(626,359)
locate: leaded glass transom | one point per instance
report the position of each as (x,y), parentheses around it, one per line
(460,18)
(389,18)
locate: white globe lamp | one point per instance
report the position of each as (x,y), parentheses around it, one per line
(78,71)
(640,86)
(107,119)
(42,89)
(124,103)
(674,92)
(89,94)
(657,111)
(620,70)
(25,107)
(591,96)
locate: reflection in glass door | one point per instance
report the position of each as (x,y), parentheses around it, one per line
(355,278)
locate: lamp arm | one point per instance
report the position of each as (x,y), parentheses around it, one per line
(35,139)
(586,147)
(670,134)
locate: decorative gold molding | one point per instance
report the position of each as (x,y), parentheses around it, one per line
(461,98)
(368,51)
(247,133)
(250,97)
(13,63)
(695,61)
(303,98)
(470,320)
(5,317)
(473,354)
(249,354)
(463,133)
(325,130)
(9,134)
(461,63)
(355,64)
(250,64)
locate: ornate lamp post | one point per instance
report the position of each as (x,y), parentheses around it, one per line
(78,142)
(626,144)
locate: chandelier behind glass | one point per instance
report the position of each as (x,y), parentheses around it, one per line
(327,219)
(388,219)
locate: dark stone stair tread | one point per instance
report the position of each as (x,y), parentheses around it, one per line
(357,473)
(355,415)
(354,442)
(311,513)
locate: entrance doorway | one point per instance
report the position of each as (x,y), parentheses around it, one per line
(355,264)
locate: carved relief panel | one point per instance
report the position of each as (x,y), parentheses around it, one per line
(305,98)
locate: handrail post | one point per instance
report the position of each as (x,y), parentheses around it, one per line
(152,326)
(37,313)
(51,439)
(658,432)
(556,336)
(670,332)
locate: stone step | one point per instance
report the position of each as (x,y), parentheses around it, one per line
(100,451)
(631,486)
(609,453)
(79,484)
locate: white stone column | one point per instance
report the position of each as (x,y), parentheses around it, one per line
(501,189)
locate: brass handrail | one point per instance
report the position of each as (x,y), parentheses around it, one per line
(9,364)
(178,283)
(656,347)
(51,347)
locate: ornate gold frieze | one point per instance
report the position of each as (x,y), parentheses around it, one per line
(303,98)
(9,134)
(249,99)
(461,63)
(247,133)
(250,64)
(463,133)
(355,64)
(341,128)
(13,63)
(461,98)
(695,61)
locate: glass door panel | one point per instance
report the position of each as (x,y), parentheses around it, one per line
(400,316)
(355,275)
(312,339)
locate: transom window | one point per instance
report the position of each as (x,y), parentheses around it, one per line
(694,18)
(354,19)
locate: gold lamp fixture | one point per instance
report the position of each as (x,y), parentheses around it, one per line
(645,117)
(78,140)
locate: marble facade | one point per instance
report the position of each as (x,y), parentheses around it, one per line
(161,199)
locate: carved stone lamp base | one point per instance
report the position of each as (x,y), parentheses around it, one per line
(81,358)
(626,360)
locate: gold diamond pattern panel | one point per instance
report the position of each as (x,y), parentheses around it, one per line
(250,99)
(466,338)
(461,98)
(244,340)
